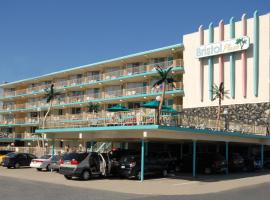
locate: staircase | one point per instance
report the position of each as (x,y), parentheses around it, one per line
(102,147)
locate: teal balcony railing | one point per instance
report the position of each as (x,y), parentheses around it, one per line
(75,82)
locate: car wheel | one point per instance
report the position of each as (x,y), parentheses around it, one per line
(86,175)
(164,172)
(39,169)
(48,168)
(17,165)
(68,177)
(8,167)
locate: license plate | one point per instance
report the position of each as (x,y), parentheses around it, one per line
(123,167)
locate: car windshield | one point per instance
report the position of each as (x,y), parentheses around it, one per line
(128,159)
(11,155)
(5,152)
(77,156)
(45,157)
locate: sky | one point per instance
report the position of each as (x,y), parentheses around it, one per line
(39,37)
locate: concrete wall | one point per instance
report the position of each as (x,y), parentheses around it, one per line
(192,67)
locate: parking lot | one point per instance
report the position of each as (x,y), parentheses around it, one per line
(182,184)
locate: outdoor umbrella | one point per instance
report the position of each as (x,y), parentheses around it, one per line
(117,108)
(151,104)
(154,104)
(169,110)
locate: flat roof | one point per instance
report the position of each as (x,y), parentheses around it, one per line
(180,45)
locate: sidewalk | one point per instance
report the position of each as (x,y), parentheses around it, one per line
(180,185)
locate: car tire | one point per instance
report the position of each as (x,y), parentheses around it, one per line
(85,175)
(8,167)
(39,169)
(164,172)
(17,165)
(68,177)
(48,168)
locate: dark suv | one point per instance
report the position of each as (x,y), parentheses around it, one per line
(154,164)
(84,165)
(17,160)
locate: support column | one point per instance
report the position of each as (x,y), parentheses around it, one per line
(142,160)
(91,147)
(146,148)
(262,155)
(53,148)
(227,156)
(194,159)
(181,151)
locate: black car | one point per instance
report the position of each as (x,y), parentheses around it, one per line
(84,165)
(16,160)
(252,163)
(115,157)
(237,162)
(154,164)
(207,163)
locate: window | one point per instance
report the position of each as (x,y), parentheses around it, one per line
(134,105)
(60,112)
(33,129)
(75,111)
(33,114)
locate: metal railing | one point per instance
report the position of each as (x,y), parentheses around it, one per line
(102,76)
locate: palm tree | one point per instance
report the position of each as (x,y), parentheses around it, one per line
(93,107)
(219,93)
(164,79)
(50,96)
(241,42)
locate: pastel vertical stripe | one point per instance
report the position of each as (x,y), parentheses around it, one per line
(256,53)
(244,58)
(221,58)
(210,63)
(232,60)
(201,32)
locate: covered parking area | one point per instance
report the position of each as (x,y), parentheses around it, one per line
(144,134)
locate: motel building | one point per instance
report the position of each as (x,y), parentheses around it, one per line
(235,52)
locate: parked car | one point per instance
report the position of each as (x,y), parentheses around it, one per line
(18,160)
(207,163)
(84,165)
(115,156)
(252,163)
(236,162)
(44,162)
(3,153)
(154,164)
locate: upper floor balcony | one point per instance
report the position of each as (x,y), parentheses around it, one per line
(19,121)
(99,77)
(107,95)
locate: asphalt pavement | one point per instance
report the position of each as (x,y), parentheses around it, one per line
(13,189)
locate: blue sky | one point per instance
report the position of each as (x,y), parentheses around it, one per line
(38,37)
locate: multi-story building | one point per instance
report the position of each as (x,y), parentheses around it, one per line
(126,80)
(236,55)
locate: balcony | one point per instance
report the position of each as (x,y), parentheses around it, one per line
(129,71)
(19,121)
(101,96)
(123,118)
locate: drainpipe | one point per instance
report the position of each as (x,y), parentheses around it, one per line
(194,159)
(142,160)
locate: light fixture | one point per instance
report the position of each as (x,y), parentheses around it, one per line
(121,80)
(144,97)
(145,134)
(158,98)
(80,135)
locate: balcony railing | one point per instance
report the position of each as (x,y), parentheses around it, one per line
(19,121)
(93,96)
(100,77)
(123,118)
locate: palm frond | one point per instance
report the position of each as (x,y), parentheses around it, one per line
(159,82)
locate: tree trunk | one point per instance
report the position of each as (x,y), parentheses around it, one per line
(161,102)
(218,114)
(44,121)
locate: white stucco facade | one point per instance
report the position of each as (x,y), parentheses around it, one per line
(191,78)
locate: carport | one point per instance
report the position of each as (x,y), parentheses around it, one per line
(145,133)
